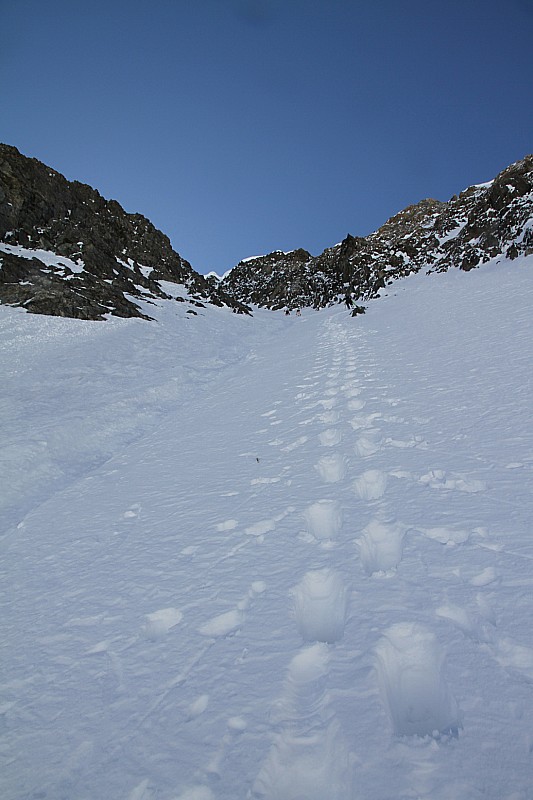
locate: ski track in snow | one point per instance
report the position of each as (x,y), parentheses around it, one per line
(311,588)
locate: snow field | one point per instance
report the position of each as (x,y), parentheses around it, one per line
(241,603)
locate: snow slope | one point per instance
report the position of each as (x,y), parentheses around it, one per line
(271,558)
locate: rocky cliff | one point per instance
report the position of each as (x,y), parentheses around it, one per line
(66,251)
(483,223)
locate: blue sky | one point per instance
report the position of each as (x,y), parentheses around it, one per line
(244,126)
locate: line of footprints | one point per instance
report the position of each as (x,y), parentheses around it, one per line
(309,757)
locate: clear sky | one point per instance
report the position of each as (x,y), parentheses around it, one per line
(244,126)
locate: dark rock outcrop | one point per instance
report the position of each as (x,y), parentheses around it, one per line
(66,251)
(280,277)
(484,222)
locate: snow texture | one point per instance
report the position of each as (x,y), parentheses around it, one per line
(273,558)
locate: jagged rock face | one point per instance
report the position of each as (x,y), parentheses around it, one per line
(482,223)
(66,251)
(277,276)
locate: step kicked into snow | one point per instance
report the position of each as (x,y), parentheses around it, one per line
(320,603)
(331,468)
(409,665)
(381,545)
(371,484)
(324,519)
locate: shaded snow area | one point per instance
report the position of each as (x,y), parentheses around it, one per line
(271,558)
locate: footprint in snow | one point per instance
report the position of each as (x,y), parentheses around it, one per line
(381,545)
(355,405)
(320,606)
(312,765)
(362,421)
(371,484)
(329,417)
(304,688)
(330,437)
(331,468)
(308,759)
(366,446)
(323,519)
(328,404)
(409,665)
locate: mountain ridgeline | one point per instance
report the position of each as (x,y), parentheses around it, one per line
(484,222)
(66,251)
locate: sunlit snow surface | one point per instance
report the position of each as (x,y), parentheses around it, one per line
(275,558)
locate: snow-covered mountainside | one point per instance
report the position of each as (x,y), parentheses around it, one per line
(485,222)
(229,572)
(66,251)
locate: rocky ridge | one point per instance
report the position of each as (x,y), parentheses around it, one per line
(66,251)
(484,222)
